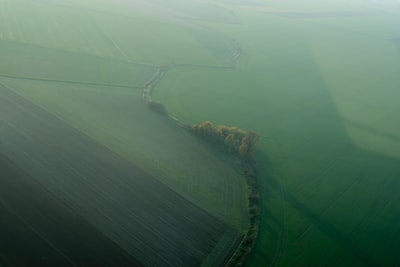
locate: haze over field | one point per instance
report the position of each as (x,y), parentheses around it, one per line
(100,164)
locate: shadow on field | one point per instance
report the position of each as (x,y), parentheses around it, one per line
(330,230)
(59,186)
(371,130)
(320,155)
(273,187)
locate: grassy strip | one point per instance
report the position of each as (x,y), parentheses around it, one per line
(248,242)
(128,205)
(234,141)
(224,249)
(241,144)
(67,81)
(29,61)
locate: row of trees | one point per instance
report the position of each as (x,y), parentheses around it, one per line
(242,144)
(250,236)
(233,139)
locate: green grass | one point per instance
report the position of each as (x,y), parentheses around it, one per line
(114,199)
(200,10)
(53,26)
(35,62)
(220,46)
(322,94)
(117,119)
(85,63)
(103,29)
(321,91)
(167,43)
(114,116)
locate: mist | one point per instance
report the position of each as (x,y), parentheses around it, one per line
(199,133)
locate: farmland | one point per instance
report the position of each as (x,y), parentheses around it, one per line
(106,190)
(71,76)
(168,160)
(318,80)
(324,101)
(53,221)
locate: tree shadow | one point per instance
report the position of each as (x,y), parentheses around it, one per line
(319,121)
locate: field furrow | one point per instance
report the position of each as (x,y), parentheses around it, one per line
(126,204)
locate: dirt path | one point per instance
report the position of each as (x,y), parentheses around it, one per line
(243,247)
(161,71)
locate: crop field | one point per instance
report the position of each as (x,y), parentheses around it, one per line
(105,189)
(148,192)
(322,91)
(41,220)
(26,61)
(176,158)
(318,80)
(95,29)
(43,24)
(166,44)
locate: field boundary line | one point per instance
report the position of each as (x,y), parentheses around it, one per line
(81,53)
(70,82)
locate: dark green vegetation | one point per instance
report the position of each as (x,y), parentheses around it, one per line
(129,206)
(249,239)
(318,80)
(31,62)
(321,88)
(31,215)
(232,139)
(240,143)
(76,125)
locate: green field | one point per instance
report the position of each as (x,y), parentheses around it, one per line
(117,198)
(320,84)
(116,118)
(52,219)
(31,62)
(318,80)
(85,64)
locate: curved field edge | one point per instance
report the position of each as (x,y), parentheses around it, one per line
(244,245)
(223,194)
(324,185)
(112,42)
(106,189)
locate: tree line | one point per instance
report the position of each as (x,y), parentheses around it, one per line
(242,144)
(233,139)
